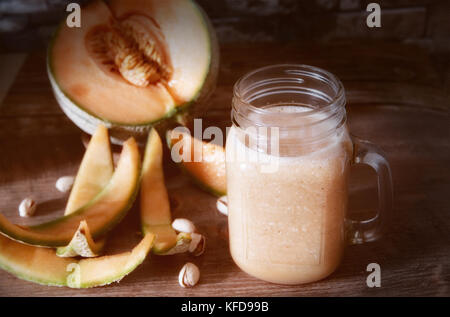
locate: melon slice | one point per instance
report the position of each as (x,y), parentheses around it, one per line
(209,172)
(82,244)
(156,217)
(39,265)
(132,64)
(94,174)
(101,214)
(42,266)
(105,270)
(95,171)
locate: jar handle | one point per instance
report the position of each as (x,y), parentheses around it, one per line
(365,152)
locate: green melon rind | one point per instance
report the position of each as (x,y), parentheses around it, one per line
(201,184)
(116,278)
(61,243)
(119,132)
(88,122)
(59,283)
(95,235)
(210,82)
(114,221)
(194,178)
(49,280)
(31,279)
(64,280)
(81,245)
(71,252)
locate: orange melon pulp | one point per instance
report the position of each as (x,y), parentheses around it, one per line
(210,171)
(90,90)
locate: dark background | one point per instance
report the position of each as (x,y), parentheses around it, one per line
(27,24)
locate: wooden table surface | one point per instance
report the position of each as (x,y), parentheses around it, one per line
(395,99)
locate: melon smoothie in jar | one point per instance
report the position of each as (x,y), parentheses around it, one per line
(288,159)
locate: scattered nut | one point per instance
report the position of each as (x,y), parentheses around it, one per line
(183,225)
(222,205)
(198,244)
(65,183)
(27,207)
(189,275)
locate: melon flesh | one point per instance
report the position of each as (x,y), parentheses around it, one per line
(111,268)
(94,174)
(82,244)
(101,214)
(210,171)
(95,171)
(156,216)
(42,266)
(38,265)
(87,92)
(187,37)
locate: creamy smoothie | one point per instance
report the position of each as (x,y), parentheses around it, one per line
(287,225)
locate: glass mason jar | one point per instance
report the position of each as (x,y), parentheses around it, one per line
(288,158)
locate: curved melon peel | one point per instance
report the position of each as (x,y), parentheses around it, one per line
(102,213)
(210,172)
(82,244)
(156,216)
(42,266)
(108,269)
(94,173)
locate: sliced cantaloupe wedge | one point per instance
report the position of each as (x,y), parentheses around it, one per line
(82,244)
(38,265)
(42,266)
(209,173)
(101,214)
(156,217)
(108,269)
(95,172)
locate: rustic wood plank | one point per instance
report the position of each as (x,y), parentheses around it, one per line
(10,65)
(405,115)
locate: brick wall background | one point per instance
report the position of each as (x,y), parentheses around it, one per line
(27,24)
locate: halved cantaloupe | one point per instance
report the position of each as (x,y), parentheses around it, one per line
(101,214)
(133,64)
(42,266)
(156,217)
(209,171)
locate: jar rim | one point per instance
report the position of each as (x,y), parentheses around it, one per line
(314,72)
